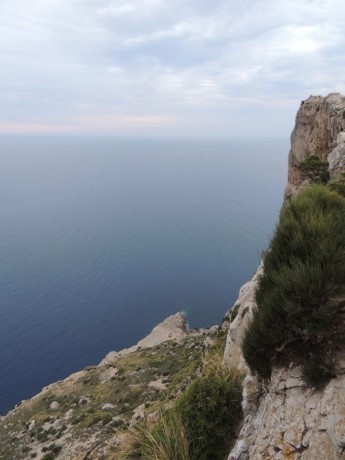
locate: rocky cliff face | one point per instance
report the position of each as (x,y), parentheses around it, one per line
(319,120)
(286,418)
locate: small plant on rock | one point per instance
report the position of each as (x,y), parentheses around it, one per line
(315,169)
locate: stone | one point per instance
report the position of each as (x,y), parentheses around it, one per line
(138,414)
(83,400)
(108,407)
(336,158)
(233,353)
(31,425)
(54,405)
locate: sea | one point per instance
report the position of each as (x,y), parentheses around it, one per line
(102,238)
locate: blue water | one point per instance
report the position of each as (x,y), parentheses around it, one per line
(102,238)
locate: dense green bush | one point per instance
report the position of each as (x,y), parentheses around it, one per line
(295,319)
(201,424)
(210,410)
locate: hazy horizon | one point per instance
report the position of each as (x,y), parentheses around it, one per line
(160,69)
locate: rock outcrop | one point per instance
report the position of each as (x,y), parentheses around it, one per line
(285,418)
(289,420)
(233,356)
(172,328)
(336,159)
(319,120)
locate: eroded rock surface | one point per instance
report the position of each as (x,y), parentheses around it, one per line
(289,420)
(319,120)
(243,307)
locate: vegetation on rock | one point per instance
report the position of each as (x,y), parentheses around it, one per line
(210,410)
(297,317)
(201,424)
(315,169)
(338,184)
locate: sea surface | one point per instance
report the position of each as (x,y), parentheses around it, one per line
(103,238)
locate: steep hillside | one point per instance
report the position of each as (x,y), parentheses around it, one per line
(87,415)
(287,414)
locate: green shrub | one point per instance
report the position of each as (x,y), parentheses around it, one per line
(338,184)
(201,425)
(295,319)
(210,410)
(314,169)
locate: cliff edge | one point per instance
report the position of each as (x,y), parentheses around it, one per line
(285,417)
(319,120)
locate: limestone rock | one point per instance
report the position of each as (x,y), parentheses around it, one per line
(245,304)
(318,122)
(172,328)
(336,158)
(54,405)
(301,424)
(108,407)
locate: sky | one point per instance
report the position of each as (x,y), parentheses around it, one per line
(166,68)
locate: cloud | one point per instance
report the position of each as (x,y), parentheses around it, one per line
(183,62)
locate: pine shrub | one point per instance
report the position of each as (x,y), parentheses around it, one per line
(295,318)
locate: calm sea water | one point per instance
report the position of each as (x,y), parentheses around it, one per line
(101,239)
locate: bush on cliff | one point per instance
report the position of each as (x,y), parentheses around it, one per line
(211,410)
(202,423)
(295,318)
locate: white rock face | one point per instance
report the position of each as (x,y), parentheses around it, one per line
(172,328)
(336,158)
(246,301)
(318,122)
(288,420)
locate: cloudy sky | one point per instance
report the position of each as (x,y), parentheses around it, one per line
(166,67)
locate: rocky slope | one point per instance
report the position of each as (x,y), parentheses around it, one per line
(86,415)
(285,418)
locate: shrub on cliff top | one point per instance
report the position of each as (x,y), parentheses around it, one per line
(295,319)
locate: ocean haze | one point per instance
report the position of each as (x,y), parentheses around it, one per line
(102,238)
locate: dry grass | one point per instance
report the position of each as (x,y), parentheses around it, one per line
(166,441)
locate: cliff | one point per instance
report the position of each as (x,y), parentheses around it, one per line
(319,120)
(285,417)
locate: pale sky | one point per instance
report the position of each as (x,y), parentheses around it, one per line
(211,68)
